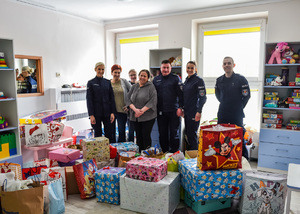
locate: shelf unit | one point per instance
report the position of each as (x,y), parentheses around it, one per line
(8,107)
(156,57)
(279,147)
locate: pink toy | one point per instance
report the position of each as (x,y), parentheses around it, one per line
(280,47)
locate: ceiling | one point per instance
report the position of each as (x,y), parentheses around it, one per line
(116,10)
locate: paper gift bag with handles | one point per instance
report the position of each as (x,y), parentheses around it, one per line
(11,167)
(26,201)
(220,147)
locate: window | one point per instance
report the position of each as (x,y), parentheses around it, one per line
(133,50)
(243,41)
(31,66)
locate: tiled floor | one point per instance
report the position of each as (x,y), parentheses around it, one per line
(75,205)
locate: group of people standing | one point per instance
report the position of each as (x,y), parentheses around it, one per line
(165,99)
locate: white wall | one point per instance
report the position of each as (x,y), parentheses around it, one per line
(68,45)
(177,31)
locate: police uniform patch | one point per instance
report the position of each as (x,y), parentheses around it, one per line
(245,92)
(202,93)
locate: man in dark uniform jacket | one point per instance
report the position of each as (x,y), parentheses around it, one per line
(233,92)
(101,103)
(169,107)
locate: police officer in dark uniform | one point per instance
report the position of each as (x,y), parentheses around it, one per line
(233,92)
(169,107)
(194,98)
(101,103)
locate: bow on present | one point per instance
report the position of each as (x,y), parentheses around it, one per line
(53,174)
(234,189)
(106,167)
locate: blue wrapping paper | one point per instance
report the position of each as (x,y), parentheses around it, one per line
(209,184)
(126,146)
(108,184)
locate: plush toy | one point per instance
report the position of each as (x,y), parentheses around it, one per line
(3,123)
(280,47)
(287,56)
(277,81)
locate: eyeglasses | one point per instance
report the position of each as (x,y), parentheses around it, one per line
(132,75)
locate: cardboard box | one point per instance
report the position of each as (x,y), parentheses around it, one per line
(160,197)
(191,154)
(72,187)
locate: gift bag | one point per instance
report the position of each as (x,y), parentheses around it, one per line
(55,131)
(46,162)
(27,201)
(263,192)
(26,172)
(36,135)
(220,147)
(56,197)
(11,167)
(55,173)
(84,174)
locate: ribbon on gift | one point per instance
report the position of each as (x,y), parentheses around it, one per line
(106,167)
(52,174)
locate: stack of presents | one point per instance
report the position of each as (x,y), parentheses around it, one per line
(207,179)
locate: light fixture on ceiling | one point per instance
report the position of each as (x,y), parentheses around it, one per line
(125,0)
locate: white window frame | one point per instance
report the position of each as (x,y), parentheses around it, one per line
(130,35)
(202,27)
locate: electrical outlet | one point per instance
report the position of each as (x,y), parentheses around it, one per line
(57,74)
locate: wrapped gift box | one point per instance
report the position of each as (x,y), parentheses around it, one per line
(263,192)
(108,184)
(64,155)
(161,197)
(97,148)
(147,169)
(220,147)
(126,146)
(43,117)
(206,206)
(70,163)
(210,184)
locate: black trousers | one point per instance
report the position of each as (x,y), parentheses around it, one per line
(143,133)
(191,128)
(168,128)
(108,129)
(238,122)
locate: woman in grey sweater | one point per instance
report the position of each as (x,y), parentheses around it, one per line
(142,100)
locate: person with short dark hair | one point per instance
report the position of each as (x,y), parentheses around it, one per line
(233,92)
(169,107)
(101,103)
(142,101)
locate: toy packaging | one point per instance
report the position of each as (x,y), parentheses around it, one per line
(220,147)
(84,174)
(97,148)
(126,146)
(43,117)
(263,193)
(108,184)
(147,169)
(210,184)
(160,197)
(64,155)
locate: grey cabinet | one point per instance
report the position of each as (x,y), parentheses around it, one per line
(279,145)
(8,106)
